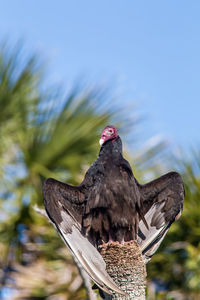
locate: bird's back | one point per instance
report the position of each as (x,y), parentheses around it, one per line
(112,198)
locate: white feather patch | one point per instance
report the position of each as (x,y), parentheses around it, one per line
(86,254)
(152,233)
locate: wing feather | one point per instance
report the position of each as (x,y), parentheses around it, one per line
(163,202)
(65,207)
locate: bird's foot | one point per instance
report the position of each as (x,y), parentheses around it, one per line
(127,242)
(114,243)
(109,243)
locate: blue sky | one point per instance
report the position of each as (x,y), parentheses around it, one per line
(149,50)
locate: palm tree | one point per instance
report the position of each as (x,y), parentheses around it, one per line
(44,134)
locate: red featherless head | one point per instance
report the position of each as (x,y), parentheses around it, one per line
(109,133)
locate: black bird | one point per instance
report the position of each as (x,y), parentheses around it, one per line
(110,205)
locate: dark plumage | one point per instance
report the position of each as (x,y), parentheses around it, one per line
(110,205)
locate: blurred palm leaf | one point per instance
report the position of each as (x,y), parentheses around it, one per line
(45,134)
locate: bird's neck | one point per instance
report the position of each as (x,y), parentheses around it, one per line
(112,148)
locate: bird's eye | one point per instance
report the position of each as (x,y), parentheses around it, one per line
(109,131)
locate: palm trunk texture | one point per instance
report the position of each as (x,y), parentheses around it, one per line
(125,265)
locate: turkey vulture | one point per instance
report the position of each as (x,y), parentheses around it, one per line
(110,205)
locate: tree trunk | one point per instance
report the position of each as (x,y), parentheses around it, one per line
(125,265)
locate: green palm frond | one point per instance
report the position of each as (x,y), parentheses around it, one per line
(45,133)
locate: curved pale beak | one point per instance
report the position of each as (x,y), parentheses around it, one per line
(101,141)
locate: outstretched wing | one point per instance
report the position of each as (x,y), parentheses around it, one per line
(163,203)
(65,207)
